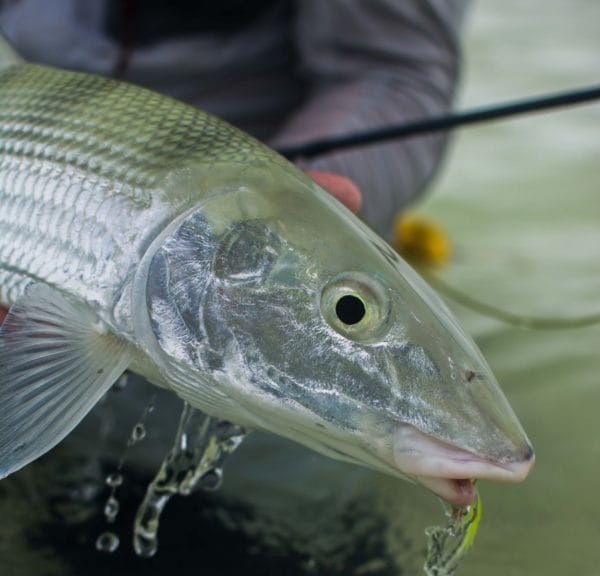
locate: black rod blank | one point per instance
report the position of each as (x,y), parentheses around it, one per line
(442,123)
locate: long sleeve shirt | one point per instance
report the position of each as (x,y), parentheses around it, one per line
(286,71)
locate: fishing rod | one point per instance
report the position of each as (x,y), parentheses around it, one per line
(445,123)
(442,123)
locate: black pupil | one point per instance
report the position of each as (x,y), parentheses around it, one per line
(350,309)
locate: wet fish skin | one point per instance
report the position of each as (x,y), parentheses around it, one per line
(138,232)
(80,153)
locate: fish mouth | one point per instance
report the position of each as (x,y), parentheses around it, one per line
(449,471)
(457,492)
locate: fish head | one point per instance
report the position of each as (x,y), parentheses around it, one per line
(272,306)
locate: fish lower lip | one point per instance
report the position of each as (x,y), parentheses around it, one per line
(457,492)
(447,470)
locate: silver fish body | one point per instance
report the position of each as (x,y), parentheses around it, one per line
(85,171)
(137,232)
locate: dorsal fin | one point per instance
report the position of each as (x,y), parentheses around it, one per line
(8,55)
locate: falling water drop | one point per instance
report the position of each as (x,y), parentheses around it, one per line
(107,542)
(194,460)
(114,480)
(111,508)
(137,434)
(145,545)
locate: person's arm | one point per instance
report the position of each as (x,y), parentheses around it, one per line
(370,64)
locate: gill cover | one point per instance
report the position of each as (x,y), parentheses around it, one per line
(183,284)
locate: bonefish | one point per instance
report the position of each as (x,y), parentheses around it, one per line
(139,233)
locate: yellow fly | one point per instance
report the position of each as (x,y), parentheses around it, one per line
(447,545)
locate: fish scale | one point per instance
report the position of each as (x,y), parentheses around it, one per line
(80,160)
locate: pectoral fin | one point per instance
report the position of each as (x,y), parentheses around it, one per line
(56,362)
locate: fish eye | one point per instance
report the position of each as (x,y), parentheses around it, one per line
(355,305)
(350,309)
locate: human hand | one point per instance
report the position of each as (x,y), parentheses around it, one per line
(340,187)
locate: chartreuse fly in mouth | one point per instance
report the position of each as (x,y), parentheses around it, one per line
(447,545)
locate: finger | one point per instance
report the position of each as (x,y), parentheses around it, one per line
(340,187)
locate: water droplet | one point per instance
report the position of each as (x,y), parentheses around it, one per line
(111,508)
(107,542)
(114,480)
(137,434)
(145,546)
(195,459)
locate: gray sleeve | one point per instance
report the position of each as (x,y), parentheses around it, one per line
(372,63)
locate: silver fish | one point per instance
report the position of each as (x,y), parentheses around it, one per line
(139,233)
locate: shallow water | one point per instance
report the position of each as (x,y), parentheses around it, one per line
(520,200)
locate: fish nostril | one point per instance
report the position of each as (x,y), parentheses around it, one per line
(529,453)
(469,375)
